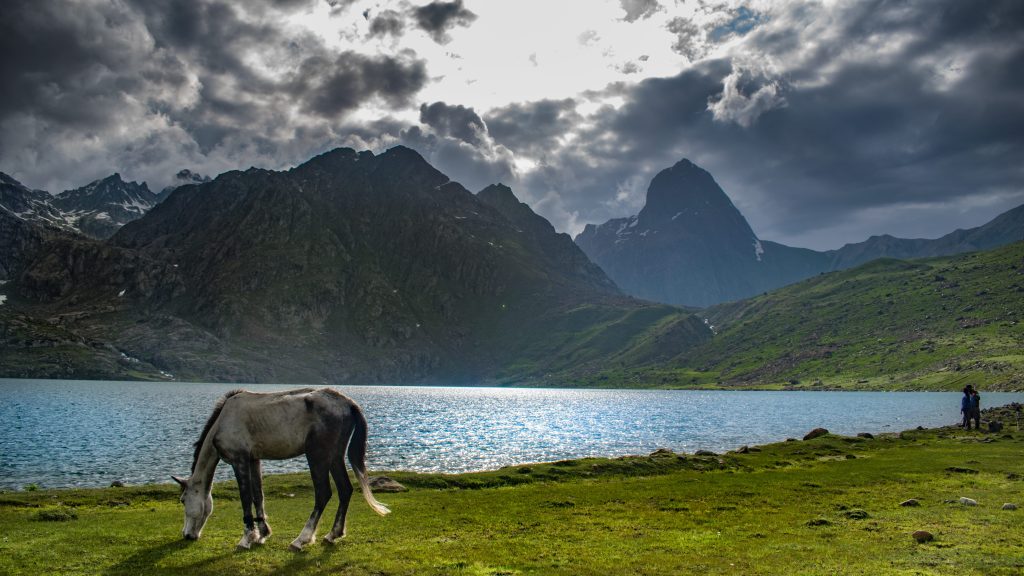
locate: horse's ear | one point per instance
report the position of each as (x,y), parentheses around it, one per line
(181,481)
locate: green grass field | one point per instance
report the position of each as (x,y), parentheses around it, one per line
(823,506)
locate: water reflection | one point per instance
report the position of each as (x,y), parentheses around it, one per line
(67,433)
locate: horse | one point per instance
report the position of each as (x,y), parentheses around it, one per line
(247,427)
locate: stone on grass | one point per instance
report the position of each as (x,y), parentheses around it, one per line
(385,484)
(815,433)
(743,450)
(117,484)
(961,470)
(923,536)
(995,426)
(662,452)
(1009,506)
(968,501)
(705,453)
(910,502)
(867,435)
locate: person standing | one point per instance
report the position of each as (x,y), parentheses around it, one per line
(965,408)
(976,408)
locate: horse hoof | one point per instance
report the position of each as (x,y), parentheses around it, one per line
(329,539)
(241,546)
(295,547)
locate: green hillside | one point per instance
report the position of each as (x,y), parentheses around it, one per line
(933,324)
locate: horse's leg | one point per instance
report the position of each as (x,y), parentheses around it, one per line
(344,496)
(256,477)
(242,476)
(319,469)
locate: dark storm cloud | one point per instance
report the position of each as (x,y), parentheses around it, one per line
(387,23)
(330,87)
(437,18)
(910,105)
(146,87)
(639,9)
(533,128)
(457,121)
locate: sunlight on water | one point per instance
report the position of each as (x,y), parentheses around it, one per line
(67,433)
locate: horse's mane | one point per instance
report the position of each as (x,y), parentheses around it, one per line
(209,424)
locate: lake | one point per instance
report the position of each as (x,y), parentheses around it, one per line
(58,433)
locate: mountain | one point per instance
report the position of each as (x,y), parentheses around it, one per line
(690,246)
(100,208)
(182,178)
(29,205)
(349,268)
(929,324)
(1004,229)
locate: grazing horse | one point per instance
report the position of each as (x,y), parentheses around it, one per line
(247,427)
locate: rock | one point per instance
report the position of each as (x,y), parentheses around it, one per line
(817,432)
(1009,506)
(867,435)
(704,453)
(968,501)
(910,502)
(920,428)
(960,470)
(743,450)
(385,484)
(790,439)
(117,484)
(923,536)
(662,452)
(995,426)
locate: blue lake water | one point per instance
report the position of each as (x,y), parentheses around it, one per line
(56,433)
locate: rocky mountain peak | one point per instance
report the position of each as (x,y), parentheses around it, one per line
(686,194)
(9,181)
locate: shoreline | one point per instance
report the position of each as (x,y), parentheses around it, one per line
(1004,413)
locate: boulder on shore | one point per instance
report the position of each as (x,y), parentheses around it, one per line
(817,432)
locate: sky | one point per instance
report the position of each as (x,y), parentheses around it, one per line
(825,121)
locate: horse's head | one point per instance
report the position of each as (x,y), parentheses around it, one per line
(198,506)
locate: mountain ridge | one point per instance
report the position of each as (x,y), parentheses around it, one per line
(690,246)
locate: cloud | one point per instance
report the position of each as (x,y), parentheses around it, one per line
(387,23)
(639,9)
(146,87)
(533,128)
(438,18)
(457,121)
(824,124)
(329,86)
(744,97)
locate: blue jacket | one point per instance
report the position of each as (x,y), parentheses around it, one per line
(965,403)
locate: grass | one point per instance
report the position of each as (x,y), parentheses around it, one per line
(930,324)
(824,506)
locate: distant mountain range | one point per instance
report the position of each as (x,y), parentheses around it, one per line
(690,246)
(98,209)
(363,268)
(352,267)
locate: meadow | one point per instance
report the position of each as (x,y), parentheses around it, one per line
(822,506)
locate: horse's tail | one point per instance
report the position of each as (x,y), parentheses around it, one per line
(357,458)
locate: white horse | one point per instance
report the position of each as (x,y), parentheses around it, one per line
(247,427)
